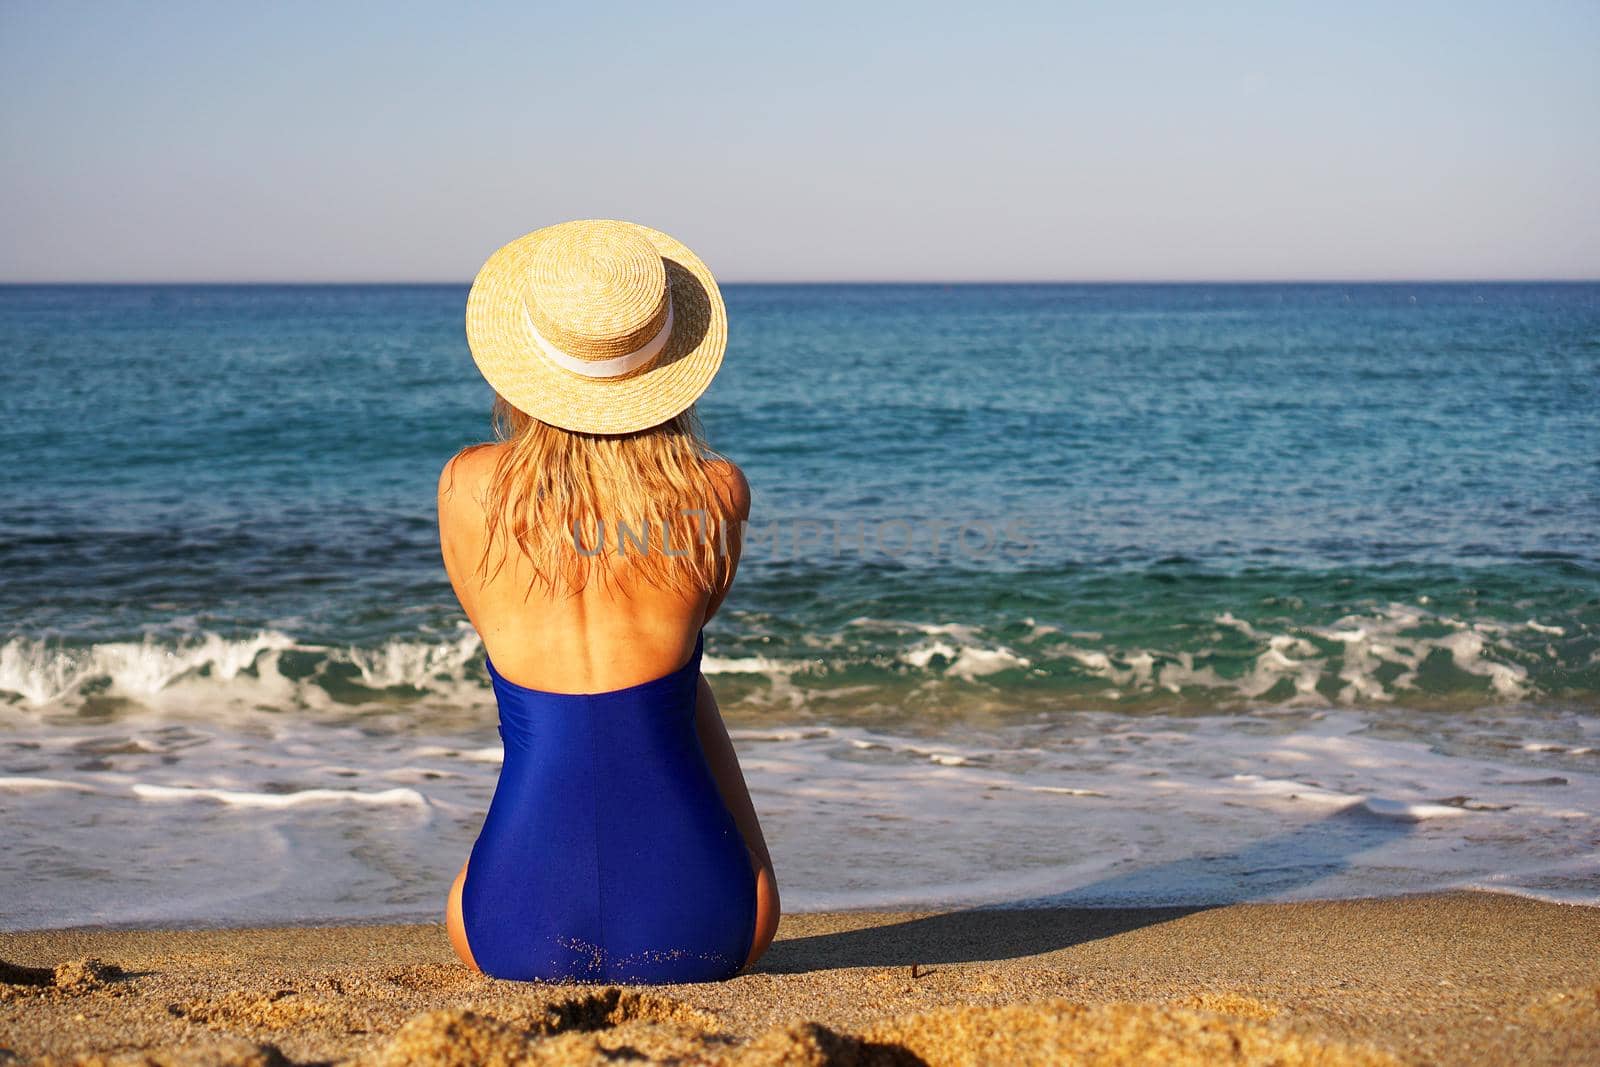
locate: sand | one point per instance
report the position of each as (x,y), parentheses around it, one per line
(1452,978)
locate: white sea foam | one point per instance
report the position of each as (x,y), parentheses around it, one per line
(298,798)
(25,784)
(783,690)
(1567,750)
(204,675)
(1290,789)
(1380,641)
(1086,808)
(1410,810)
(781,735)
(1510,680)
(43,672)
(415,663)
(924,654)
(38,673)
(146,668)
(964,655)
(1227,619)
(749,665)
(973,663)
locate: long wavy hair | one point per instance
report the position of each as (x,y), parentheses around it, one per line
(582,505)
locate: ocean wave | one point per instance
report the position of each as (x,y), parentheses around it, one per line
(249,670)
(1390,653)
(42,672)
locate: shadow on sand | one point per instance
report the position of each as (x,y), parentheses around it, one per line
(1110,906)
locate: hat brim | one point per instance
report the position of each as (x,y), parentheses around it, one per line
(503,346)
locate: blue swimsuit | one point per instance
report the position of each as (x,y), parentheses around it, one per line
(608,854)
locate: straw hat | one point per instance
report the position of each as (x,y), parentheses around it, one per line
(597,325)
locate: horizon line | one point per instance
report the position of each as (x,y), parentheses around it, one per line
(315,283)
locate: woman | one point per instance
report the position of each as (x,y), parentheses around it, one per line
(589,545)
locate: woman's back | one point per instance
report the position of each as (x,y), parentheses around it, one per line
(616,631)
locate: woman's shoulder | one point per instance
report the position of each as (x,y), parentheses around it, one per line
(466,476)
(731,485)
(467,473)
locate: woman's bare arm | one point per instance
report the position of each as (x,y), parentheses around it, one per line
(724,763)
(713,733)
(725,769)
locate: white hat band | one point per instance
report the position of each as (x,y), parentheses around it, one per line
(614,367)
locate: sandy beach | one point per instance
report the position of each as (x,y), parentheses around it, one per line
(1455,978)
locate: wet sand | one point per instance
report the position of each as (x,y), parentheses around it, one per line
(1456,978)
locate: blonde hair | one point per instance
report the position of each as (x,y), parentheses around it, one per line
(578,504)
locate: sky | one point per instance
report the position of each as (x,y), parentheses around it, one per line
(343,142)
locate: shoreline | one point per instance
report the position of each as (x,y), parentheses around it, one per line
(1453,977)
(840,914)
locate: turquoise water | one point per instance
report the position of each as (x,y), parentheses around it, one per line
(1357,512)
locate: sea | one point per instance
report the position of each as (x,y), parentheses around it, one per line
(1096,595)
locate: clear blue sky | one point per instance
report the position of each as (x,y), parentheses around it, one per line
(806,141)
